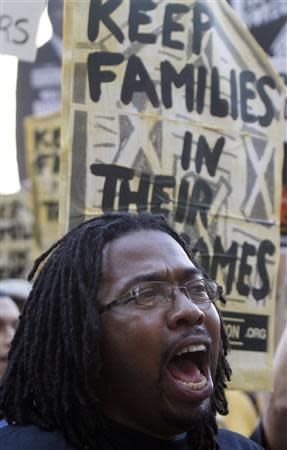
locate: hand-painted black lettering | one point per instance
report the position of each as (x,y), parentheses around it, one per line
(97,76)
(201,88)
(201,199)
(51,161)
(52,210)
(159,196)
(266,247)
(182,201)
(169,26)
(139,198)
(202,21)
(100,12)
(266,119)
(211,158)
(137,79)
(137,17)
(5,23)
(186,151)
(218,105)
(40,139)
(47,139)
(245,269)
(247,94)
(224,258)
(233,95)
(169,76)
(112,173)
(25,34)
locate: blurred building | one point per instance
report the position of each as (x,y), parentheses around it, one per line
(39,83)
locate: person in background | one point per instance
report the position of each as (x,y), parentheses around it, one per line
(273,411)
(274,419)
(9,315)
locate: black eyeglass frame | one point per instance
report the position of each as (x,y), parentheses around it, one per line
(124,300)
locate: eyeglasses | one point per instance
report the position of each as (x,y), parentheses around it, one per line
(202,292)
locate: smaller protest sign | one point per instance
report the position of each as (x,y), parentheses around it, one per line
(19,22)
(42,135)
(16,236)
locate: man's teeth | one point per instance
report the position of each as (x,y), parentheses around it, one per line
(195,386)
(192,348)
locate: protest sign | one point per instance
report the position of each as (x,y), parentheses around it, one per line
(19,22)
(173,108)
(42,135)
(16,235)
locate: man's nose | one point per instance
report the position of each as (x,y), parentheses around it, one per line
(183,312)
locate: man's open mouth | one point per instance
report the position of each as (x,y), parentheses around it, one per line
(190,366)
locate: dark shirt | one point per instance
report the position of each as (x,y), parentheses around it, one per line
(258,435)
(117,437)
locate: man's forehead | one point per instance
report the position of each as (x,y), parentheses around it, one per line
(142,256)
(146,253)
(146,242)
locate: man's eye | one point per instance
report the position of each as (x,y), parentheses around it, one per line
(146,293)
(198,288)
(150,297)
(146,298)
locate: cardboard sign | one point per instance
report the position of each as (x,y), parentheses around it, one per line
(16,236)
(173,108)
(19,22)
(42,135)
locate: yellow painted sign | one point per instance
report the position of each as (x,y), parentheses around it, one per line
(173,108)
(16,235)
(42,139)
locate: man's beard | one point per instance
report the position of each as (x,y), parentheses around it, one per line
(200,430)
(192,423)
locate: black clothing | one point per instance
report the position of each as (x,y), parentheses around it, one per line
(258,435)
(116,437)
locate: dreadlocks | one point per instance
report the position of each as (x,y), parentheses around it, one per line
(55,360)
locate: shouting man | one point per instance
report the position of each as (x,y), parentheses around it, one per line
(120,346)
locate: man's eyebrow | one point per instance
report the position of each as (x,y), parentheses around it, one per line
(156,276)
(150,276)
(191,272)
